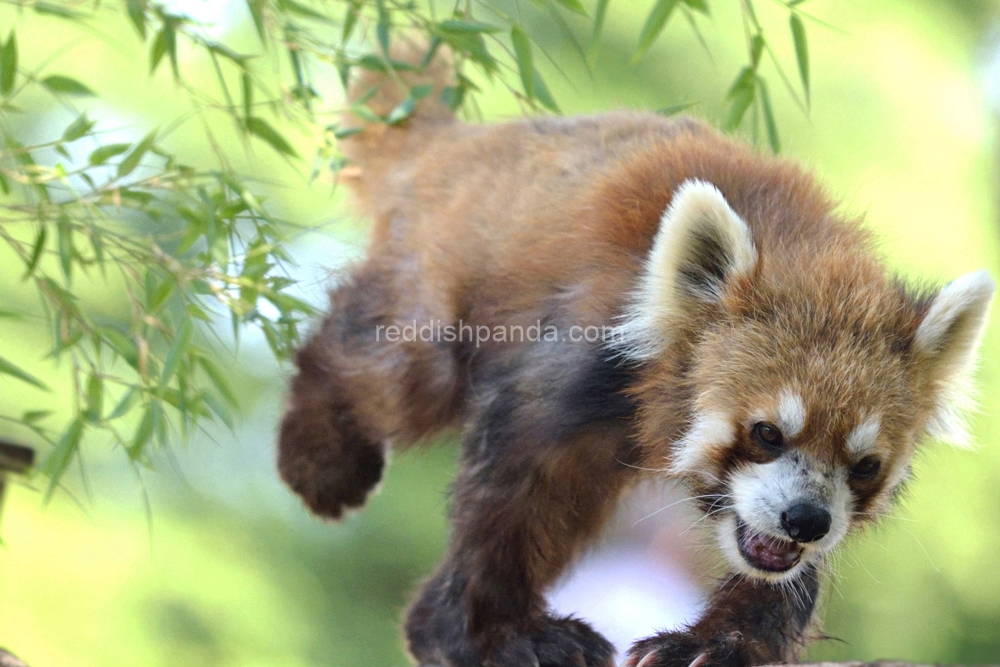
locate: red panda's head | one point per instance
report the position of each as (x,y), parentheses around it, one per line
(810,374)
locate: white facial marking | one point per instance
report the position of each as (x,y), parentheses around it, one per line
(710,430)
(899,473)
(791,413)
(725,532)
(841,504)
(862,439)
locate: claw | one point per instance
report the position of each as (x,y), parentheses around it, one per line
(630,661)
(700,660)
(647,659)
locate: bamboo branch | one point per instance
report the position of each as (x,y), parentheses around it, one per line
(17,459)
(877,663)
(10,660)
(13,459)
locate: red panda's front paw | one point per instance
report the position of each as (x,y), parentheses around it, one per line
(684,649)
(569,642)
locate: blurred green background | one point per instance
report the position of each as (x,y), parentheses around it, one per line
(209,561)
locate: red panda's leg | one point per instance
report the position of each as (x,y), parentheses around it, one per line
(526,501)
(746,623)
(358,388)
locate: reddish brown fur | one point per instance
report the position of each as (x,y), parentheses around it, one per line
(551,220)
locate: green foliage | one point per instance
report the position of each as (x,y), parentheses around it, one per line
(192,244)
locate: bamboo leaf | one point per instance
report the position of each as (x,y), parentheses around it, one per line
(125,405)
(227,53)
(104,153)
(654,25)
(256,8)
(769,124)
(741,96)
(246,85)
(55,10)
(574,6)
(757,45)
(64,243)
(402,111)
(170,43)
(8,64)
(675,109)
(461,26)
(142,434)
(698,6)
(382,29)
(218,380)
(350,20)
(95,398)
(182,340)
(137,14)
(34,416)
(595,35)
(11,369)
(122,344)
(218,407)
(295,8)
(543,95)
(66,85)
(78,128)
(132,160)
(59,458)
(261,129)
(157,49)
(801,51)
(525,64)
(36,250)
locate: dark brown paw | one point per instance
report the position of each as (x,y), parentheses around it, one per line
(683,649)
(557,642)
(569,642)
(326,459)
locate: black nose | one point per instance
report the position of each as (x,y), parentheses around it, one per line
(805,522)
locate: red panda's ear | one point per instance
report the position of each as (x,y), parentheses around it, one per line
(700,246)
(946,343)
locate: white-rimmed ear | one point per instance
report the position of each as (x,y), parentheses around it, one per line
(701,244)
(947,341)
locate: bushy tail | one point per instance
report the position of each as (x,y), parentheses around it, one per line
(383,92)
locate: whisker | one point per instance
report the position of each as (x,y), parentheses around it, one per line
(921,545)
(676,502)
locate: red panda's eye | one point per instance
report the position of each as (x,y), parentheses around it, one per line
(866,468)
(768,435)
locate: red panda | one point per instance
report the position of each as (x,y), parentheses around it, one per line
(596,300)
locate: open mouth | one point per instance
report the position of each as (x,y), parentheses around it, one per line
(764,552)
